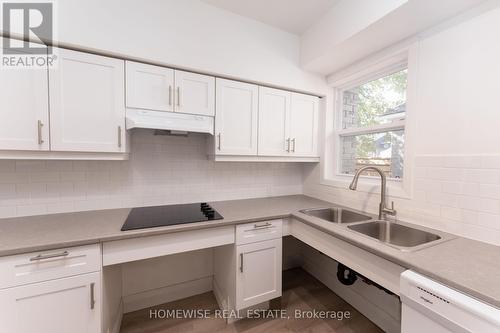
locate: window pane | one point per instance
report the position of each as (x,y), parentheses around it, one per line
(376,102)
(383,150)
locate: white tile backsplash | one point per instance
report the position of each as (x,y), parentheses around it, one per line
(161,170)
(455,193)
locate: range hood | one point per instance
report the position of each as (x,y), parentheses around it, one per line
(160,120)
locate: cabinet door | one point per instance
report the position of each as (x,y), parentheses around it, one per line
(24,109)
(57,306)
(304,125)
(87,103)
(274,114)
(149,87)
(259,273)
(194,93)
(236,118)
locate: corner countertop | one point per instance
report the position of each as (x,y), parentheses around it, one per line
(469,266)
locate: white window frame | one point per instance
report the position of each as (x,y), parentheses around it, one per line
(367,71)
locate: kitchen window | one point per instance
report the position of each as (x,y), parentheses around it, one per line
(370,127)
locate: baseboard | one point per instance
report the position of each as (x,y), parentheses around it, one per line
(370,310)
(223,304)
(118,321)
(166,294)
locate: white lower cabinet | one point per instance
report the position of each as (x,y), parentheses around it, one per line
(248,273)
(52,291)
(64,305)
(259,273)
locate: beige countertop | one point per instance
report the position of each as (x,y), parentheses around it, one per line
(469,266)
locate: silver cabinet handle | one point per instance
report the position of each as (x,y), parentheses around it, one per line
(119,136)
(218,141)
(40,139)
(92,296)
(259,226)
(288,145)
(241,262)
(169,95)
(293,149)
(178,96)
(49,256)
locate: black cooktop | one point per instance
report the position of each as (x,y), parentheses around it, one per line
(160,216)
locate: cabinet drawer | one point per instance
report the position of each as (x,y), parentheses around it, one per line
(47,265)
(258,231)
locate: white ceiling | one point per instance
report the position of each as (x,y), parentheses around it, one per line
(294,16)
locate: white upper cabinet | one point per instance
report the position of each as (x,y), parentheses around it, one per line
(24,109)
(304,125)
(164,89)
(288,123)
(274,115)
(87,103)
(236,118)
(149,87)
(194,93)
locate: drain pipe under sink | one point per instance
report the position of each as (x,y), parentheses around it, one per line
(348,277)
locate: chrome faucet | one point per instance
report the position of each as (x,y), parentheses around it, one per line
(383,210)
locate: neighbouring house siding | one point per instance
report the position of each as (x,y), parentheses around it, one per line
(348,146)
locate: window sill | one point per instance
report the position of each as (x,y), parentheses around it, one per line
(395,187)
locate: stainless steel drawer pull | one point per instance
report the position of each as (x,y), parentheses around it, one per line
(288,145)
(169,95)
(178,96)
(265,225)
(293,149)
(92,296)
(218,144)
(49,256)
(241,262)
(40,138)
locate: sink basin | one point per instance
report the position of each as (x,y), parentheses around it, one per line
(336,215)
(395,234)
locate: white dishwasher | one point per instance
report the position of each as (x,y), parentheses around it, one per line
(431,307)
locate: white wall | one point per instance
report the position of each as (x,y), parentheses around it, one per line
(456,167)
(345,20)
(161,170)
(355,29)
(189,34)
(458,88)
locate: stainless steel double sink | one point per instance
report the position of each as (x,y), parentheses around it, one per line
(395,234)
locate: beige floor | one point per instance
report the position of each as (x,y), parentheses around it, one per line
(300,291)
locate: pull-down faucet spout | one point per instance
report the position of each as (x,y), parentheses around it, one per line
(383,209)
